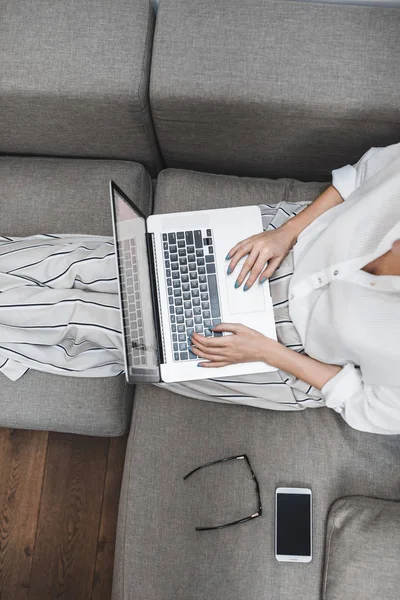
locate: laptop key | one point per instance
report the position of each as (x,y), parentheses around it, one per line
(176,356)
(181,243)
(172,238)
(199,328)
(180,319)
(203,287)
(209,259)
(191,355)
(177,292)
(176,347)
(198,321)
(173,328)
(200,262)
(178,301)
(195,293)
(183,261)
(185,279)
(196,301)
(198,239)
(199,253)
(164,237)
(189,323)
(192,275)
(175,274)
(184,356)
(210,268)
(170,299)
(207,323)
(173,249)
(204,298)
(184,271)
(216,322)
(187,305)
(179,310)
(182,346)
(214,297)
(189,237)
(182,336)
(207,333)
(186,295)
(188,314)
(190,249)
(180,235)
(176,283)
(194,284)
(169,282)
(167,264)
(182,252)
(202,270)
(192,266)
(206,314)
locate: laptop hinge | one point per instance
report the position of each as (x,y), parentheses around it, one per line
(155,291)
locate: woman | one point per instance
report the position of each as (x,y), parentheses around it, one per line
(334,269)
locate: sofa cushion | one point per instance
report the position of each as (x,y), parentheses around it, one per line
(65,196)
(160,556)
(180,190)
(362,550)
(75,79)
(272,88)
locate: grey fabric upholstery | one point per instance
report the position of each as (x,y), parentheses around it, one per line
(179,190)
(160,556)
(272,88)
(65,196)
(362,550)
(75,81)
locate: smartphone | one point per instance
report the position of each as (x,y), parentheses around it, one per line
(293,524)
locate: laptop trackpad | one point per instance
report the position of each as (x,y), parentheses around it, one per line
(244,302)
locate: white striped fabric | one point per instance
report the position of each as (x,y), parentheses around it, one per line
(59,308)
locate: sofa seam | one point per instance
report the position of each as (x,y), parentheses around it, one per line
(151,135)
(128,465)
(328,548)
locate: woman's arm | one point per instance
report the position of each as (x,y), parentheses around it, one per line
(328,199)
(303,367)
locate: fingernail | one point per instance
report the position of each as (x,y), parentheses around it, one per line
(229,271)
(237,284)
(245,288)
(263,280)
(199,365)
(227,257)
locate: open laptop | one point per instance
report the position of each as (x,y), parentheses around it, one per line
(172,277)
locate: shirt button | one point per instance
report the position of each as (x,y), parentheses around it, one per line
(372,283)
(319,280)
(335,272)
(291,296)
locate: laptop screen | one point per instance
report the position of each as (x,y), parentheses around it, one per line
(141,356)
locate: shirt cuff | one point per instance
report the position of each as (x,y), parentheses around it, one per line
(345,180)
(342,387)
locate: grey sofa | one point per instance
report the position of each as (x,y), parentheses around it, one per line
(243,102)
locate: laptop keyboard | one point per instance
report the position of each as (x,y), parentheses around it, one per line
(192,290)
(131,301)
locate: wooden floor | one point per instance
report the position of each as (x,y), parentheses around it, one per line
(58,509)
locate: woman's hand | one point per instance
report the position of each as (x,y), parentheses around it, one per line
(268,247)
(245,345)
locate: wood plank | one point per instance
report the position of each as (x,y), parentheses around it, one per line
(22,461)
(102,581)
(69,518)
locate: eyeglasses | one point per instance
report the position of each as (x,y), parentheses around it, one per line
(245,519)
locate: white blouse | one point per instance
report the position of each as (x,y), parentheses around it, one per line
(344,315)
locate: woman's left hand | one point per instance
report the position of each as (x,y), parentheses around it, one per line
(245,345)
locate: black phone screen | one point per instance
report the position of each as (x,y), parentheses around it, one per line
(293,524)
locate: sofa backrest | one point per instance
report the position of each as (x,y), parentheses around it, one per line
(74,79)
(274,88)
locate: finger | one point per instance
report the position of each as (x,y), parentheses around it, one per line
(238,245)
(245,249)
(268,272)
(207,355)
(248,264)
(212,365)
(255,271)
(209,342)
(229,327)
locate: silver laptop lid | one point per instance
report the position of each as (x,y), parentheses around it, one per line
(130,235)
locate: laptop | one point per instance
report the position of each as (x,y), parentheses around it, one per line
(172,280)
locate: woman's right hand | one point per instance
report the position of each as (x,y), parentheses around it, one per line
(267,247)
